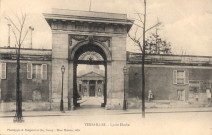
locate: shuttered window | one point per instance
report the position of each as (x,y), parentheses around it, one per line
(44,71)
(180,77)
(29,71)
(186,77)
(37,71)
(3,69)
(175,77)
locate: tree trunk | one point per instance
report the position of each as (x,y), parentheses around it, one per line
(18,90)
(143,60)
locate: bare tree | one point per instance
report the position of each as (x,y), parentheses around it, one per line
(18,27)
(140,41)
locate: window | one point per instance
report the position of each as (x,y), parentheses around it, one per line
(29,71)
(3,69)
(38,71)
(44,71)
(180,77)
(180,95)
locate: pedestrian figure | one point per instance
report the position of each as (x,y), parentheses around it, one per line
(208,92)
(197,97)
(150,95)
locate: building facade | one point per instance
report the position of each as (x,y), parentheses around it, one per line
(91,85)
(171,78)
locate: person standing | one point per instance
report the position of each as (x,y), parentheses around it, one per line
(208,93)
(150,95)
(197,97)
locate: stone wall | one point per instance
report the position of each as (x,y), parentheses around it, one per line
(159,79)
(32,89)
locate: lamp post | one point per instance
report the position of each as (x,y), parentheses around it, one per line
(125,102)
(9,35)
(61,102)
(31,29)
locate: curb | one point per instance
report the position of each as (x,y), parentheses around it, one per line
(119,113)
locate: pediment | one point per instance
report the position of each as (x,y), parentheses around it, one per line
(92,74)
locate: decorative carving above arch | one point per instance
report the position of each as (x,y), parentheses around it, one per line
(91,56)
(74,39)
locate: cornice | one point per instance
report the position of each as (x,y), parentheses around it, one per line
(90,19)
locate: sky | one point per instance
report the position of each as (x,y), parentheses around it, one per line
(186,24)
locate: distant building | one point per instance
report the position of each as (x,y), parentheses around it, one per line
(91,84)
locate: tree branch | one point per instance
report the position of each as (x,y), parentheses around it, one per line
(15,36)
(17,18)
(24,36)
(136,41)
(153,26)
(10,20)
(22,26)
(136,24)
(138,20)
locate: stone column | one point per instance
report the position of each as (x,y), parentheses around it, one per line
(59,58)
(109,85)
(117,76)
(127,82)
(96,88)
(0,81)
(88,91)
(0,87)
(70,86)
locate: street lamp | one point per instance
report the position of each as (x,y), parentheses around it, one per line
(125,102)
(61,102)
(31,29)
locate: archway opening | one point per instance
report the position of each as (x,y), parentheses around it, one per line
(90,73)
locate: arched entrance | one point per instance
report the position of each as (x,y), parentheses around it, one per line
(77,32)
(89,53)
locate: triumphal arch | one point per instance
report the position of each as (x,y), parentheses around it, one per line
(76,33)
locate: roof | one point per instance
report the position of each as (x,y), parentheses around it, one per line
(88,16)
(26,54)
(161,59)
(89,73)
(12,50)
(89,13)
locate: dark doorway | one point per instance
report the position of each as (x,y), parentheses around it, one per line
(92,91)
(89,54)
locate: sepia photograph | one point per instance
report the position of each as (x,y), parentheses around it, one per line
(96,67)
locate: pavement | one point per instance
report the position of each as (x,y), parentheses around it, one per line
(91,106)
